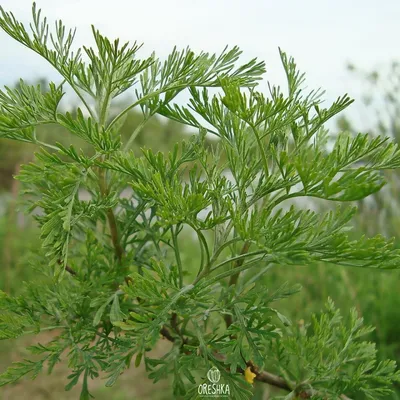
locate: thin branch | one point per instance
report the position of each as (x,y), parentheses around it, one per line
(112,222)
(235,259)
(234,278)
(139,128)
(273,380)
(134,135)
(267,377)
(225,274)
(167,334)
(261,148)
(46,328)
(174,234)
(68,268)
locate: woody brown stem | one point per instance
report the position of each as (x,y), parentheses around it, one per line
(267,377)
(68,268)
(167,334)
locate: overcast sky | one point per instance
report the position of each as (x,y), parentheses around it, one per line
(323,36)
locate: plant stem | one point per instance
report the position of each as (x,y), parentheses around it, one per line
(134,135)
(114,234)
(139,128)
(262,150)
(227,273)
(203,270)
(222,247)
(112,222)
(46,328)
(177,253)
(239,257)
(234,278)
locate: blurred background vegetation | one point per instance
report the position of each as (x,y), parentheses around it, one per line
(374,293)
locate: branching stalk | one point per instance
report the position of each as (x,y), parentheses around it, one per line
(174,233)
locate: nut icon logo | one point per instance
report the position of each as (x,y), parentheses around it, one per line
(214,375)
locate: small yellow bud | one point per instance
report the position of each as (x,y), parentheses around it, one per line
(249,375)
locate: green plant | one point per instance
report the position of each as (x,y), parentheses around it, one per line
(113,279)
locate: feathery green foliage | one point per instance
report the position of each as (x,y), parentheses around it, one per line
(113,280)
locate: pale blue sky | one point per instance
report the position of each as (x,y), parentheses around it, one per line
(323,36)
